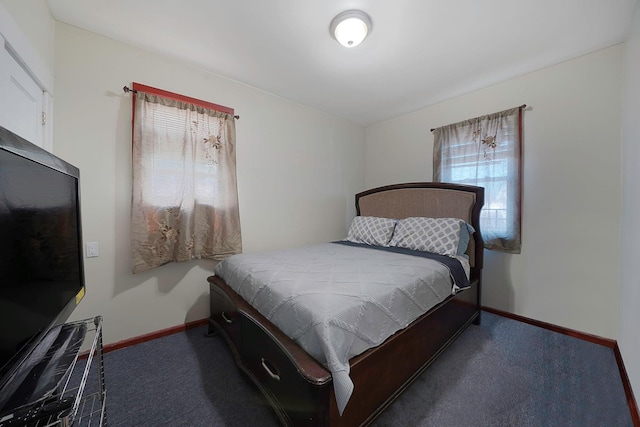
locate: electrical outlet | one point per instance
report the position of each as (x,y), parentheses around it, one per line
(92,249)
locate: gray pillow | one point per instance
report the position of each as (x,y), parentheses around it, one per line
(436,235)
(466,230)
(371,230)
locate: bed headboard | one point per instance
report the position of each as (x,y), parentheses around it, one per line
(428,199)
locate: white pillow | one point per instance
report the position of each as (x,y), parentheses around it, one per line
(436,235)
(371,230)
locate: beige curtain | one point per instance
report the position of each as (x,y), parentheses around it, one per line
(185,201)
(487,151)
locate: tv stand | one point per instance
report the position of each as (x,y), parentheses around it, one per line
(55,384)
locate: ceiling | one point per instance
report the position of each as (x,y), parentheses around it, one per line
(420,51)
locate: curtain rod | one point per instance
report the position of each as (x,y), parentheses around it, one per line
(522,106)
(127,89)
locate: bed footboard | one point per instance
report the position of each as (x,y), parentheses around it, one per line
(299,389)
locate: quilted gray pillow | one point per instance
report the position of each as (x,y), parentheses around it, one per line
(371,230)
(436,235)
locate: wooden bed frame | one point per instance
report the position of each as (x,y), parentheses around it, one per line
(299,388)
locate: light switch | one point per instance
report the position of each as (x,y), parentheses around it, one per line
(92,249)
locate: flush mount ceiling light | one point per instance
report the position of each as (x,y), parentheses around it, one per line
(350,27)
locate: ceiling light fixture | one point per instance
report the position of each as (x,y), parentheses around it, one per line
(350,27)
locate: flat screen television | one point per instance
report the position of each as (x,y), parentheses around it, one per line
(41,257)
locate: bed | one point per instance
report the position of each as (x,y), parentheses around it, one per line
(301,390)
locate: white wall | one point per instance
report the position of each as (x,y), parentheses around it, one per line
(568,272)
(298,171)
(629,338)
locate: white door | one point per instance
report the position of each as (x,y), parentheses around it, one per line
(20,100)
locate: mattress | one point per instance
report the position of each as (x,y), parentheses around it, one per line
(338,300)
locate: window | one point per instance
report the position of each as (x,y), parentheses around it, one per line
(486,151)
(185,203)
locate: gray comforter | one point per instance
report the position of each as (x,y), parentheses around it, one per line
(337,301)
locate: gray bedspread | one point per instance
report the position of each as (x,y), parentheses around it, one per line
(337,301)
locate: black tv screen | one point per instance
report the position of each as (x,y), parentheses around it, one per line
(41,264)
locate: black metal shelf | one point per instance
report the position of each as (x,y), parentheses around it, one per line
(83,398)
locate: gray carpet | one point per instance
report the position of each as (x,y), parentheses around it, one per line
(502,373)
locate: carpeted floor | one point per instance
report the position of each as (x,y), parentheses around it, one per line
(502,373)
